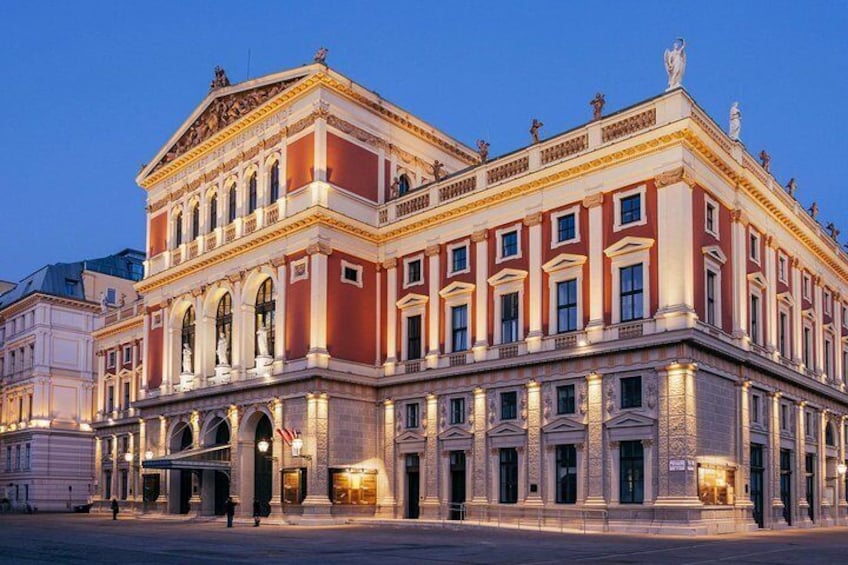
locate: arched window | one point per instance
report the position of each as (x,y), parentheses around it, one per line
(265,315)
(187,336)
(224,327)
(403,185)
(231,205)
(195,221)
(274,184)
(251,194)
(178,229)
(829,436)
(213,212)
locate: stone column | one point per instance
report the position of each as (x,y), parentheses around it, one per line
(321,110)
(239,339)
(648,454)
(481,295)
(480,454)
(433,305)
(318,356)
(802,506)
(534,336)
(595,327)
(390,265)
(235,468)
(739,252)
(167,365)
(595,464)
(277,447)
(676,287)
(388,501)
(775,516)
(770,334)
(316,444)
(98,466)
(743,455)
(534,444)
(430,503)
(196,501)
(677,436)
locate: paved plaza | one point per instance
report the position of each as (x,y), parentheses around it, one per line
(63,538)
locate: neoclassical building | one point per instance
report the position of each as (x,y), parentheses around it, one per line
(629,325)
(47,380)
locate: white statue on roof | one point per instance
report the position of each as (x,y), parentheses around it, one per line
(735,121)
(104,302)
(675,63)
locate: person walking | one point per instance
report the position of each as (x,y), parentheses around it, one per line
(230,509)
(115,508)
(257,511)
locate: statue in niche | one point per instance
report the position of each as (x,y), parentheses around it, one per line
(597,103)
(262,340)
(222,350)
(534,130)
(735,129)
(186,359)
(483,150)
(675,63)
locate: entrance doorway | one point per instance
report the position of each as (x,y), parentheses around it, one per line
(262,466)
(413,485)
(757,473)
(186,441)
(222,481)
(457,485)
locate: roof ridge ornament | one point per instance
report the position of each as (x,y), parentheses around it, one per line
(675,63)
(321,56)
(220,80)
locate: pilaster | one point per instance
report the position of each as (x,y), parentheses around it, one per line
(433,315)
(743,454)
(480,454)
(387,500)
(534,336)
(391,314)
(534,444)
(797,324)
(481,294)
(430,503)
(595,466)
(595,327)
(318,356)
(771,294)
(800,471)
(280,314)
(739,255)
(317,501)
(276,406)
(818,331)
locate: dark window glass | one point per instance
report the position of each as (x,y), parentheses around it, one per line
(755,318)
(630,293)
(126,392)
(565,227)
(786,484)
(459,259)
(403,185)
(412,415)
(459,328)
(231,204)
(213,212)
(509,405)
(509,317)
(632,472)
(631,392)
(251,193)
(195,221)
(781,334)
(351,274)
(711,298)
(457,411)
(829,436)
(711,218)
(178,230)
(565,399)
(107,482)
(413,271)
(265,310)
(508,476)
(566,474)
(810,483)
(413,337)
(509,244)
(631,209)
(274,188)
(110,398)
(567,306)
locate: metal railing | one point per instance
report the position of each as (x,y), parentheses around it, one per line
(526,518)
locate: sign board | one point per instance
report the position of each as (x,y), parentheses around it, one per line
(681,465)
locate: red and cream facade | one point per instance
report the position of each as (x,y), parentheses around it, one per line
(641,416)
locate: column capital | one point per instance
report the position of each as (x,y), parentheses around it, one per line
(744,383)
(800,403)
(278,261)
(319,248)
(673,176)
(390,263)
(533,219)
(432,250)
(775,395)
(593,377)
(593,200)
(739,216)
(479,235)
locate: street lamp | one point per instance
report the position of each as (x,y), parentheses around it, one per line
(128,457)
(148,455)
(841,468)
(263,445)
(297,447)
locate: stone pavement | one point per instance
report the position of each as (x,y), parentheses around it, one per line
(79,538)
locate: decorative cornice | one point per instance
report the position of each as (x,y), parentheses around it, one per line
(136,322)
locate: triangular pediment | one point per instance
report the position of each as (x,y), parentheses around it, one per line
(809,314)
(629,244)
(786,298)
(456,288)
(715,253)
(223,106)
(505,276)
(758,279)
(564,261)
(563,424)
(409,436)
(455,432)
(506,429)
(412,299)
(629,420)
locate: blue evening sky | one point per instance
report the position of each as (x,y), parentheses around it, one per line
(91,90)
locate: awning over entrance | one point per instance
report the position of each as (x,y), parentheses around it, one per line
(208,458)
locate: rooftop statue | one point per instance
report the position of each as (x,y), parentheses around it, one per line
(534,130)
(597,104)
(833,230)
(675,63)
(791,187)
(765,160)
(814,210)
(321,56)
(483,150)
(437,170)
(735,121)
(220,80)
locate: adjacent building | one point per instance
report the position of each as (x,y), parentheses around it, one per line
(46,356)
(629,325)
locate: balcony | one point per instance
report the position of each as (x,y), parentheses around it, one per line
(122,313)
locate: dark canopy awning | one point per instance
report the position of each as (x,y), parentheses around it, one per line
(207,458)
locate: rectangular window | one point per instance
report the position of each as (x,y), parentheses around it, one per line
(110,398)
(711,298)
(508,475)
(459,259)
(630,293)
(509,244)
(565,399)
(8,458)
(125,483)
(806,286)
(754,247)
(784,417)
(509,405)
(110,359)
(351,274)
(413,337)
(566,228)
(27,456)
(413,272)
(781,268)
(459,328)
(782,325)
(755,318)
(827,302)
(755,408)
(810,484)
(828,353)
(126,396)
(566,474)
(457,411)
(631,472)
(631,392)
(715,485)
(631,209)
(127,354)
(509,317)
(107,483)
(567,306)
(808,424)
(711,218)
(808,347)
(412,415)
(17,458)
